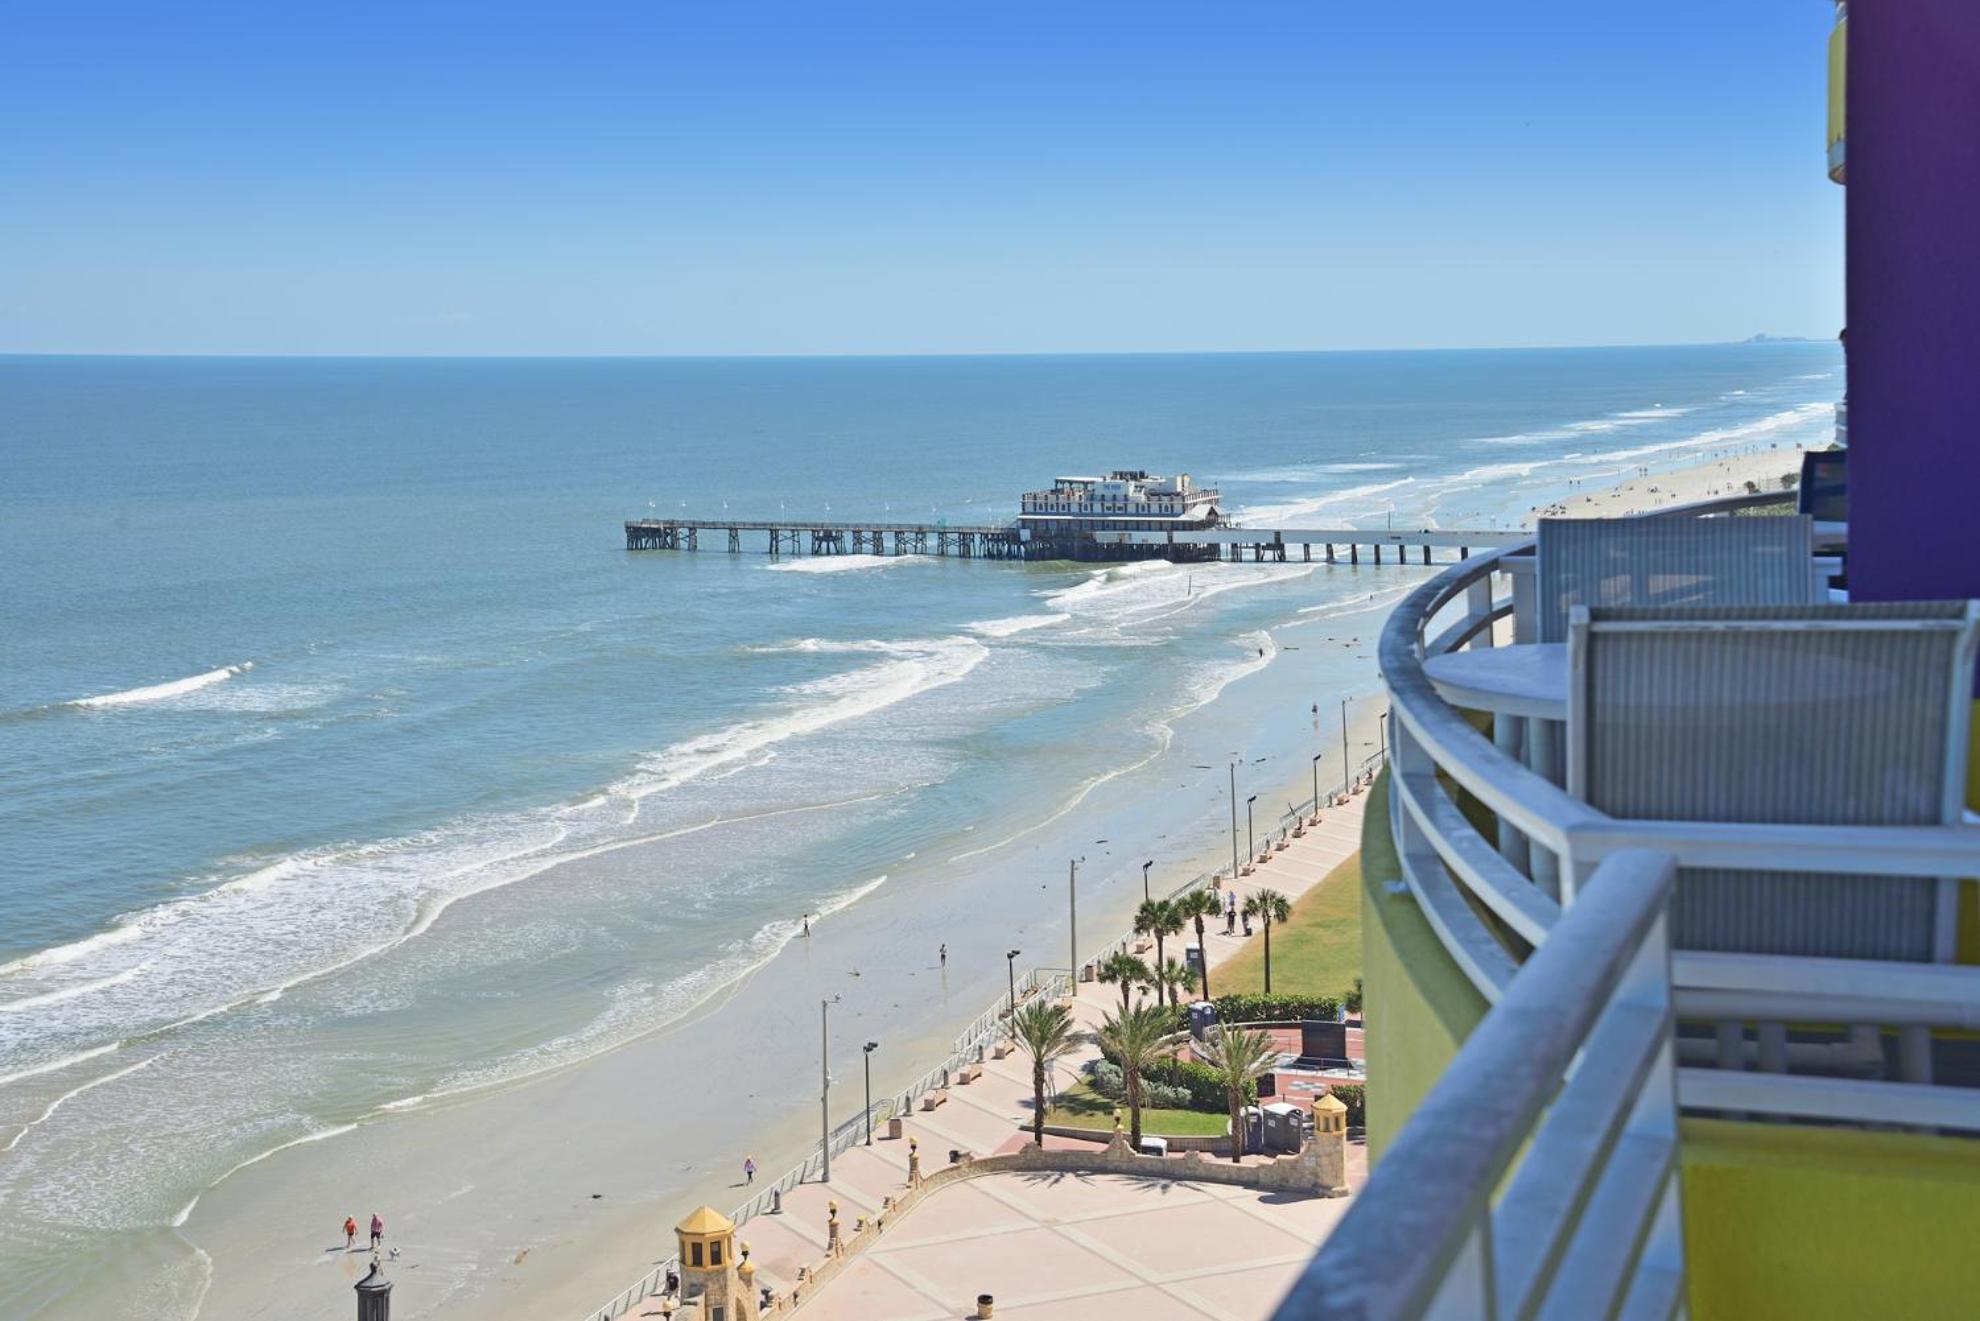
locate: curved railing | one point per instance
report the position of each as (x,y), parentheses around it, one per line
(1536,1176)
(1490,900)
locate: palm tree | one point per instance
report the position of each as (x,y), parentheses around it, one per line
(1268,906)
(1168,978)
(1134,1038)
(1158,918)
(1044,1031)
(1241,1058)
(1195,906)
(1123,967)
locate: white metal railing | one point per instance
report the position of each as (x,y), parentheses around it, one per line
(1564,1098)
(1547,843)
(968,1048)
(1496,904)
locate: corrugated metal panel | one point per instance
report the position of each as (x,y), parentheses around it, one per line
(1732,720)
(1670,562)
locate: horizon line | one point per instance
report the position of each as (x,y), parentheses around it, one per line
(826,355)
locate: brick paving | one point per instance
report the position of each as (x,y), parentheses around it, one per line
(1052,1246)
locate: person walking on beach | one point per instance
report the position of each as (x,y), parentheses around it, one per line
(350,1233)
(749,1169)
(377,1230)
(945,956)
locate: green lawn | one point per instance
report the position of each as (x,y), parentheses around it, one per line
(1317,953)
(1082,1107)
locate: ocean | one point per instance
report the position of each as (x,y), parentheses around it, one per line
(350,766)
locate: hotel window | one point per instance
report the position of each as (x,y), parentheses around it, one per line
(714,1254)
(694,1254)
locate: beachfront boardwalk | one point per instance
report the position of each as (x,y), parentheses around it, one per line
(1051,1245)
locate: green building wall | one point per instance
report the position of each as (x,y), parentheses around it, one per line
(1781,1220)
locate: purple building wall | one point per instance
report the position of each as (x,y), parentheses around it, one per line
(1913,245)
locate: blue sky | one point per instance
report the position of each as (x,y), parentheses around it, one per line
(916,178)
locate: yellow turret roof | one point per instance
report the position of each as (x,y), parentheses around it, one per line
(707,1220)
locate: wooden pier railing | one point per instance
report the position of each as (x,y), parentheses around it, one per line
(1010,541)
(819,538)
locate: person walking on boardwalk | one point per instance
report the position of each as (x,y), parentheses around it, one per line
(1230,911)
(377,1230)
(350,1233)
(749,1169)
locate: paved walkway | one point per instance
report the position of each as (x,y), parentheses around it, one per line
(1052,1246)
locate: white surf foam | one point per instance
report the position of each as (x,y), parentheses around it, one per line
(70,1095)
(1003,628)
(159,692)
(913,668)
(1731,437)
(71,992)
(1353,502)
(841,563)
(306,915)
(52,1066)
(641,1008)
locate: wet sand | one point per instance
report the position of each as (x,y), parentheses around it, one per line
(547,1198)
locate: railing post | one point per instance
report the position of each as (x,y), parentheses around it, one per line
(1477,603)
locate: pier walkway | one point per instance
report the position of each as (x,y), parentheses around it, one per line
(965,541)
(1011,542)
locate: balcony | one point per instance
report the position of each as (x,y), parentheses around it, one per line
(1633,1063)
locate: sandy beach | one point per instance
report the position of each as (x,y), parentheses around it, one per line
(545,1198)
(1721,475)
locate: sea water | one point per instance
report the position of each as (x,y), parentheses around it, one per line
(348,761)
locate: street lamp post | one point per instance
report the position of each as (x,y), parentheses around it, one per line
(1010,967)
(1250,841)
(871,1046)
(1344,746)
(825,1086)
(1072,900)
(1144,878)
(1316,782)
(1234,858)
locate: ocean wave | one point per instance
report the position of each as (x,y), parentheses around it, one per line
(1287,513)
(310,914)
(640,1008)
(841,563)
(1737,434)
(914,668)
(160,692)
(1164,735)
(71,992)
(1134,596)
(58,1064)
(58,1102)
(1308,472)
(1003,628)
(1209,683)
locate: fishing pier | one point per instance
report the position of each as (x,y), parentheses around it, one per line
(1127,515)
(982,542)
(1345,545)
